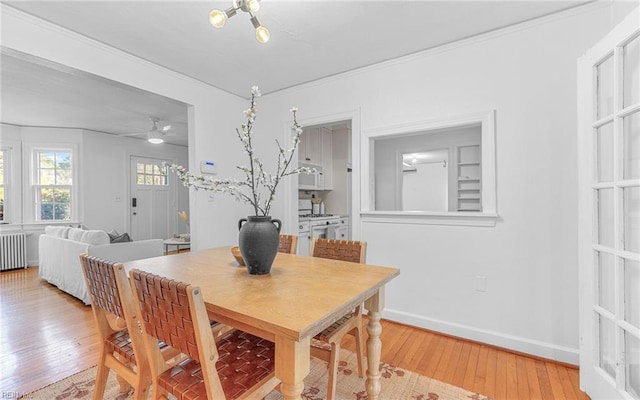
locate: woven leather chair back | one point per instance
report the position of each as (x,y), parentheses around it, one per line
(102,286)
(165,302)
(288,244)
(344,250)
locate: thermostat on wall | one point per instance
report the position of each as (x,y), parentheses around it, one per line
(208,167)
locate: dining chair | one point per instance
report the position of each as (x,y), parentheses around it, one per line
(236,365)
(326,344)
(288,244)
(121,346)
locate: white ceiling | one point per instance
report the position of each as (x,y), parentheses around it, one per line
(310,40)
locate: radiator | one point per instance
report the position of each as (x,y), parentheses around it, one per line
(13,251)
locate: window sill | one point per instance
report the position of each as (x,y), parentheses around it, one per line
(430,218)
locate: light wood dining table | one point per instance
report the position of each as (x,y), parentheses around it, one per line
(298,299)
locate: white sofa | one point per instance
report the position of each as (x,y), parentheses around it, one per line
(59,249)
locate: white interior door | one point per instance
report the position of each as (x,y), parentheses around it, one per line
(151,200)
(609,214)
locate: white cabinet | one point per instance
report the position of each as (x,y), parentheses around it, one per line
(310,147)
(315,147)
(469,178)
(327,157)
(341,231)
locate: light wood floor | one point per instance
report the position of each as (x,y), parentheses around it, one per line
(46,335)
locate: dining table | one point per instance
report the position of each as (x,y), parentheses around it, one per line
(299,298)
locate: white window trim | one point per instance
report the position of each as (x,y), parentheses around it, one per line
(29,211)
(6,184)
(488,215)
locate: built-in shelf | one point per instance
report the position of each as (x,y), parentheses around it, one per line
(469,183)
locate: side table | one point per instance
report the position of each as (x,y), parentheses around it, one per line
(178,242)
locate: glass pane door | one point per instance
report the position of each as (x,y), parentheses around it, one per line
(610,330)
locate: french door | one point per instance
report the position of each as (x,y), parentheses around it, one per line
(609,214)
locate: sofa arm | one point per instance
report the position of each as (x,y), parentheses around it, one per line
(128,251)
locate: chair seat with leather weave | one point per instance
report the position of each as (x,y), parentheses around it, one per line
(326,344)
(236,365)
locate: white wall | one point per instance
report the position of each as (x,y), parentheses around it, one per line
(211,130)
(528,75)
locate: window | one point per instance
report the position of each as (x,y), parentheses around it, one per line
(53,186)
(2,185)
(151,174)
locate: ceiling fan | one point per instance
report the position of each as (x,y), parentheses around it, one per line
(155,135)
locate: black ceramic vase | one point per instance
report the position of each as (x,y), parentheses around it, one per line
(258,241)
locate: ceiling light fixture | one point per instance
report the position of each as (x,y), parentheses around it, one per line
(155,135)
(218,18)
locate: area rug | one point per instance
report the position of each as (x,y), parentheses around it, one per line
(397,384)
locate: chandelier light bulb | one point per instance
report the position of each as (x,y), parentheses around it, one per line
(262,34)
(217,18)
(253,5)
(155,140)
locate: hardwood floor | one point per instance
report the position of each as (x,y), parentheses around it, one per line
(46,335)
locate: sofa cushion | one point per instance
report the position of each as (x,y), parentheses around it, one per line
(95,237)
(75,234)
(57,231)
(120,238)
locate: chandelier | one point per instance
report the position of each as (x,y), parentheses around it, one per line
(218,18)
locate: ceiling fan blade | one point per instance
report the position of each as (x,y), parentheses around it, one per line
(133,134)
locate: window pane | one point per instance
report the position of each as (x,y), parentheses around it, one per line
(47,160)
(148,180)
(604,137)
(62,195)
(631,72)
(64,177)
(605,88)
(63,160)
(631,199)
(157,170)
(631,292)
(46,211)
(1,167)
(148,169)
(607,346)
(632,364)
(605,217)
(46,177)
(606,282)
(45,196)
(140,168)
(631,151)
(140,179)
(62,211)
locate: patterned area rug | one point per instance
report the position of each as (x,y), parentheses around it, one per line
(397,384)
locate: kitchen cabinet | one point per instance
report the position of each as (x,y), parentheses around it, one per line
(310,146)
(341,231)
(315,147)
(469,178)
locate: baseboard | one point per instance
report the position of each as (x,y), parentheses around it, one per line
(514,343)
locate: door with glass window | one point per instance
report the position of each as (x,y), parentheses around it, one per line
(151,200)
(609,214)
